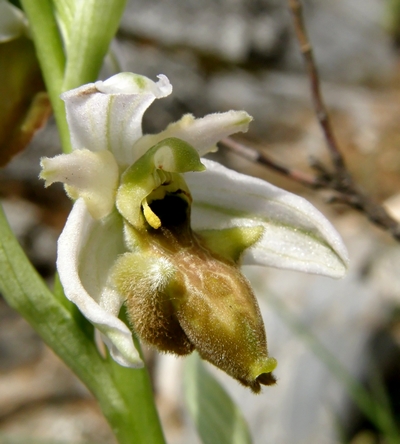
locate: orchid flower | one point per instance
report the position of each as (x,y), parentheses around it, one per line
(157,228)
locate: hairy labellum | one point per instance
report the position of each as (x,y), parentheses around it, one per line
(181,295)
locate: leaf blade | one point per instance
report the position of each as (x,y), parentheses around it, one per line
(94,25)
(218,420)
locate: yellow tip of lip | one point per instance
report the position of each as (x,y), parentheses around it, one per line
(271,364)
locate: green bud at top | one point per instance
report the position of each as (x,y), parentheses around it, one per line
(184,290)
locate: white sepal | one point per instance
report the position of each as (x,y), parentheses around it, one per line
(87,250)
(296,235)
(108,115)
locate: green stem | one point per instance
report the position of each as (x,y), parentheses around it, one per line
(377,412)
(50,53)
(144,424)
(125,395)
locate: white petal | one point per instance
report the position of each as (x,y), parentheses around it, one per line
(108,115)
(202,134)
(296,236)
(87,250)
(92,176)
(13,23)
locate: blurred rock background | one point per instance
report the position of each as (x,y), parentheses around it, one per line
(241,54)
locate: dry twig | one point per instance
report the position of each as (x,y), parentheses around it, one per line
(340,179)
(257,157)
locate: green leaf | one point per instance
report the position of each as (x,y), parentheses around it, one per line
(217,418)
(125,395)
(93,26)
(65,12)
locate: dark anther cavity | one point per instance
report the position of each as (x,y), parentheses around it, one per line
(172,210)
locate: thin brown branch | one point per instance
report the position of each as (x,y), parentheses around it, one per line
(255,156)
(338,180)
(318,102)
